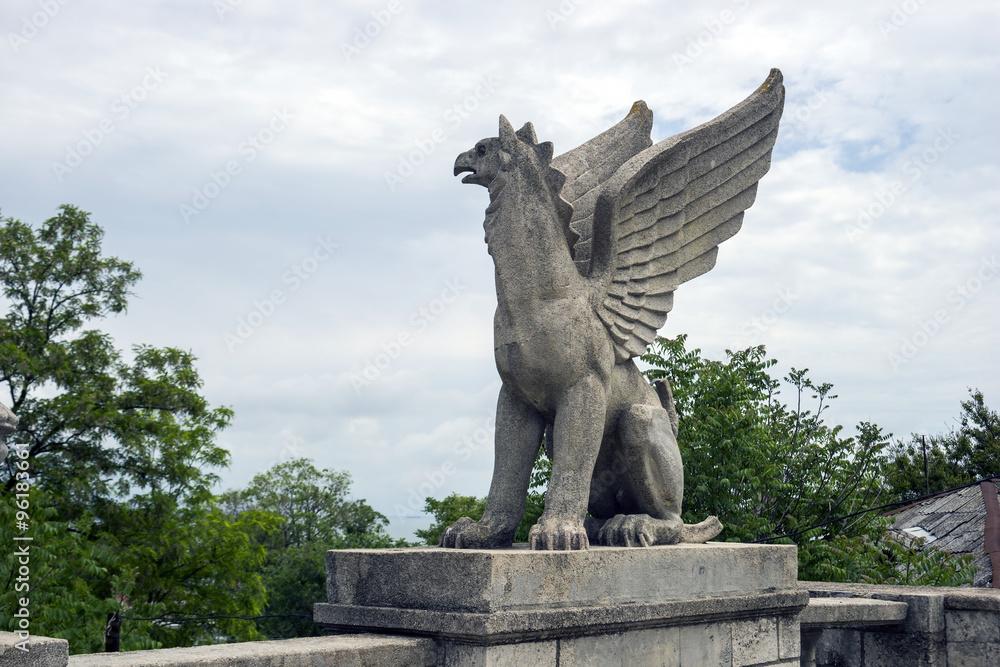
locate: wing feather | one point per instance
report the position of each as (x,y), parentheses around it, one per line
(659,220)
(589,166)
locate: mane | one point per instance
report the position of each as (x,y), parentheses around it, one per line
(552,177)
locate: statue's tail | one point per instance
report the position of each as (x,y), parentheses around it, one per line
(667,401)
(699,533)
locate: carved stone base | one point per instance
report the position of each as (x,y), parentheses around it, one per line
(689,604)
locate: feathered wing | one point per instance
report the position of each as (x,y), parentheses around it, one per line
(659,220)
(589,166)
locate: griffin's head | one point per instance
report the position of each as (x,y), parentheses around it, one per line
(483,161)
(491,156)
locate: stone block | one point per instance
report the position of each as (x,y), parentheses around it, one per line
(839,648)
(343,650)
(516,595)
(710,644)
(530,654)
(789,633)
(41,651)
(852,613)
(973,654)
(491,580)
(653,647)
(754,641)
(972,626)
(896,647)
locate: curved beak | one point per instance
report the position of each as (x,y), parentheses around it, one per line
(464,163)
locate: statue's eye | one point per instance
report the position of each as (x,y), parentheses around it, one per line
(480,151)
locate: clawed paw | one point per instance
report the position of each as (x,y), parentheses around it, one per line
(558,535)
(639,530)
(468,534)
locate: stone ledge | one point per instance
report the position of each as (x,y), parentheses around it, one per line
(851,613)
(349,650)
(536,624)
(492,580)
(42,651)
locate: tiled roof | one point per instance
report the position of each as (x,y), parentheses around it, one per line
(957,520)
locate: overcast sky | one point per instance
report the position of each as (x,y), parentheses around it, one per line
(281,172)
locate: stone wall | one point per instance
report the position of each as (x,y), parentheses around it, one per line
(944,627)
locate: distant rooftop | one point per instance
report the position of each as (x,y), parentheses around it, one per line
(954,521)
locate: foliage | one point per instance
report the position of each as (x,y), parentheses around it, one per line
(121,454)
(540,475)
(966,454)
(768,470)
(880,556)
(312,514)
(447,511)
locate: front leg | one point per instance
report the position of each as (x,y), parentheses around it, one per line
(578,431)
(518,436)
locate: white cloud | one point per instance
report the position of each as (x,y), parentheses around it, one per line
(861,105)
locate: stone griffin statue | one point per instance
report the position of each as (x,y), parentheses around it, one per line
(8,424)
(589,247)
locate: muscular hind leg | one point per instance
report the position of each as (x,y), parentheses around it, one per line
(654,481)
(654,485)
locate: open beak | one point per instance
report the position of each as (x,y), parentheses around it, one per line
(463,163)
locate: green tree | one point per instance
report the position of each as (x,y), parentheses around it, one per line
(447,511)
(768,470)
(967,454)
(121,450)
(452,508)
(313,514)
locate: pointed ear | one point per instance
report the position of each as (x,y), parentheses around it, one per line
(527,134)
(508,138)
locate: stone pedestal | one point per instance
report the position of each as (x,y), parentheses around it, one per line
(691,605)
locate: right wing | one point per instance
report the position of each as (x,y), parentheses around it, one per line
(659,220)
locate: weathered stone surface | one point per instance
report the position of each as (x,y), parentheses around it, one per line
(706,645)
(978,626)
(532,654)
(484,580)
(789,634)
(589,248)
(42,651)
(516,595)
(755,641)
(943,626)
(529,625)
(347,650)
(852,612)
(967,654)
